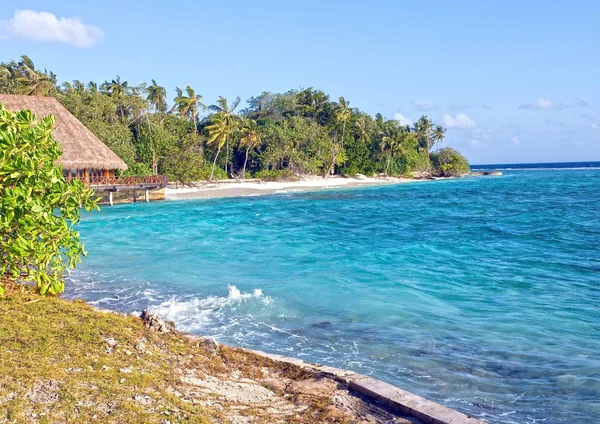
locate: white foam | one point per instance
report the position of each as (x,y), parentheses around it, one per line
(199,313)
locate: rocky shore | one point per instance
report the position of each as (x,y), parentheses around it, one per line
(66,361)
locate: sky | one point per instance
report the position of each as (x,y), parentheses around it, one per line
(513,81)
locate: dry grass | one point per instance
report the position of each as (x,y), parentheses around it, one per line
(64,361)
(58,365)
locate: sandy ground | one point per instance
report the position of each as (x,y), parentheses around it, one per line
(233,188)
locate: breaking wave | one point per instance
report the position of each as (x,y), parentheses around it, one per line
(195,314)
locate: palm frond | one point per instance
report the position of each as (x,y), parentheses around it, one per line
(235,103)
(26,61)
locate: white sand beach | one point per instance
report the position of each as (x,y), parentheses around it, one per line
(233,188)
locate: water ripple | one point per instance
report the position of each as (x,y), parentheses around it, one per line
(481,293)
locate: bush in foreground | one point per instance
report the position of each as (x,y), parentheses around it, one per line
(38,208)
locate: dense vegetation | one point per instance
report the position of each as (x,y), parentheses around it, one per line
(279,134)
(38,208)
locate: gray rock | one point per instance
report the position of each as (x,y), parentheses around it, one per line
(211,346)
(154,322)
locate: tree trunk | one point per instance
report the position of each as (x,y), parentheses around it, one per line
(214,163)
(331,168)
(245,161)
(227,157)
(387,166)
(154,164)
(343,133)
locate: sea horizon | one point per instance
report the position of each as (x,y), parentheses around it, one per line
(537,165)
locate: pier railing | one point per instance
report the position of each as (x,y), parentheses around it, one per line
(146,181)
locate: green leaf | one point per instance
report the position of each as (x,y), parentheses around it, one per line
(36,245)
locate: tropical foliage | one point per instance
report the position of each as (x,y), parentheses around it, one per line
(299,132)
(448,162)
(38,208)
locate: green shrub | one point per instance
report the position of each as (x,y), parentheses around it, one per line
(38,208)
(274,175)
(448,162)
(219,173)
(137,168)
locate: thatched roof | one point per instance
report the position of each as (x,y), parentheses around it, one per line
(81,149)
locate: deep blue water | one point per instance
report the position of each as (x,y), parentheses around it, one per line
(481,293)
(537,166)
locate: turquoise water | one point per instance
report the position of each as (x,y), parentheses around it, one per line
(479,293)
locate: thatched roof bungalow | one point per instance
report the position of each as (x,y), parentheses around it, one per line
(84,155)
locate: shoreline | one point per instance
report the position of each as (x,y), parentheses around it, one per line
(382,397)
(125,367)
(245,188)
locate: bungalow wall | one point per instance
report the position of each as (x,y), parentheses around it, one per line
(88,175)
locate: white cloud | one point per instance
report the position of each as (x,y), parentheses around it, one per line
(541,104)
(460,121)
(516,140)
(545,104)
(424,105)
(45,26)
(403,119)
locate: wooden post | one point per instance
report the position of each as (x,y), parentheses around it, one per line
(110,197)
(147,195)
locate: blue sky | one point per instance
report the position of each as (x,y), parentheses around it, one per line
(514,81)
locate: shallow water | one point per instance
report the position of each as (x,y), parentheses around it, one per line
(479,293)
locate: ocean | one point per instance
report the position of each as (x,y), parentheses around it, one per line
(481,293)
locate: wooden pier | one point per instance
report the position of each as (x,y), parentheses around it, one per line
(107,185)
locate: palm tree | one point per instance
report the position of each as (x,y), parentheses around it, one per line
(139,90)
(32,82)
(92,87)
(157,97)
(360,129)
(188,105)
(116,88)
(438,135)
(223,108)
(379,121)
(342,114)
(78,87)
(423,130)
(387,144)
(250,139)
(219,132)
(390,144)
(67,88)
